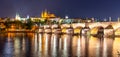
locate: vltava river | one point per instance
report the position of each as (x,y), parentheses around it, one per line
(56,45)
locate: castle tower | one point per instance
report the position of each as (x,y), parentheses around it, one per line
(17,17)
(28,16)
(118,19)
(110,19)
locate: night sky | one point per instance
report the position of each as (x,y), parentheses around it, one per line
(72,8)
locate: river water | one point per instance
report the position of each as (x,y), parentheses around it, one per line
(57,45)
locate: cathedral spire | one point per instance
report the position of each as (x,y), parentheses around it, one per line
(42,14)
(45,13)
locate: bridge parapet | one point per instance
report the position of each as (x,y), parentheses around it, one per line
(98,24)
(115,25)
(104,24)
(65,26)
(77,25)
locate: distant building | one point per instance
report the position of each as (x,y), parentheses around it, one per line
(47,15)
(17,17)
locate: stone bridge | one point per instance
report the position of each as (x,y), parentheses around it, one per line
(95,26)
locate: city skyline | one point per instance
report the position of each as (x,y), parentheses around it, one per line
(74,9)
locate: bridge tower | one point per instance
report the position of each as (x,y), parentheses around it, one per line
(110,19)
(118,19)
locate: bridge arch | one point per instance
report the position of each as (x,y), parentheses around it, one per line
(97,30)
(117,32)
(85,30)
(77,30)
(109,30)
(109,27)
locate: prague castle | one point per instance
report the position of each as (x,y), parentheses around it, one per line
(50,16)
(44,15)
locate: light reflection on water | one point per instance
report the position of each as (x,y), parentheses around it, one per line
(56,45)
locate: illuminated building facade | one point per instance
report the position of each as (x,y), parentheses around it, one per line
(47,15)
(17,17)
